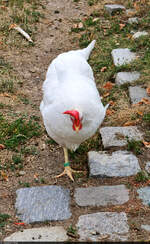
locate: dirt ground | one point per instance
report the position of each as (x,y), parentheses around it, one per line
(30,64)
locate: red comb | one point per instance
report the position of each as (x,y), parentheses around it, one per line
(73,113)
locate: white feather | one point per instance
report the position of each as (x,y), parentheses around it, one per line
(70,85)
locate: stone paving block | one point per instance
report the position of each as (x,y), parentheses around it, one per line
(145,227)
(136,93)
(92,227)
(147,167)
(144,195)
(46,234)
(101,196)
(112,8)
(36,204)
(122,56)
(139,34)
(119,164)
(126,77)
(117,136)
(133,20)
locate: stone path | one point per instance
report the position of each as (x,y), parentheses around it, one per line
(39,204)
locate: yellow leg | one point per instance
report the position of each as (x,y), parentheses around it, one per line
(68,170)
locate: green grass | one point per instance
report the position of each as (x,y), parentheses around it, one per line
(141,177)
(26,14)
(72,229)
(13,134)
(4,219)
(135,146)
(146,118)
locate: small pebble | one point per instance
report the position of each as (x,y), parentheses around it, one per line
(21,173)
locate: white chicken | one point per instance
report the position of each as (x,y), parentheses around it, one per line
(71,107)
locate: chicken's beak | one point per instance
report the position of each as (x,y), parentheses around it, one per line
(77,129)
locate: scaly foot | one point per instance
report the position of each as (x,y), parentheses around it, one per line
(68,171)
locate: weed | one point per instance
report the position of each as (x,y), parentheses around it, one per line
(18,132)
(92,2)
(141,177)
(134,146)
(146,118)
(30,150)
(24,13)
(7,85)
(42,180)
(25,100)
(4,219)
(72,229)
(25,184)
(51,142)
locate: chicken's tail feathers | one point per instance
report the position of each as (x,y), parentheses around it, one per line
(86,51)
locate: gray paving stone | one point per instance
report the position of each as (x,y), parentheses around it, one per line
(111,8)
(126,77)
(101,196)
(145,227)
(144,195)
(136,93)
(139,34)
(117,136)
(122,56)
(114,225)
(147,167)
(36,204)
(56,233)
(133,20)
(119,164)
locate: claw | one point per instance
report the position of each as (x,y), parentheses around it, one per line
(68,171)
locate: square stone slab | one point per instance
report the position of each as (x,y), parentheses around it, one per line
(136,93)
(144,195)
(139,34)
(122,56)
(117,136)
(47,234)
(126,77)
(119,164)
(92,227)
(133,20)
(112,8)
(101,196)
(41,203)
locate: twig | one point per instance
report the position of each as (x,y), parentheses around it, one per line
(20,30)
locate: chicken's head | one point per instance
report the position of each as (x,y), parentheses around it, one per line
(75,118)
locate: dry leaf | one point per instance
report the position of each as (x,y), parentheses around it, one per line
(130,123)
(80,25)
(4,176)
(109,112)
(106,94)
(145,101)
(108,85)
(122,26)
(146,144)
(140,113)
(2,146)
(103,69)
(95,19)
(111,103)
(148,91)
